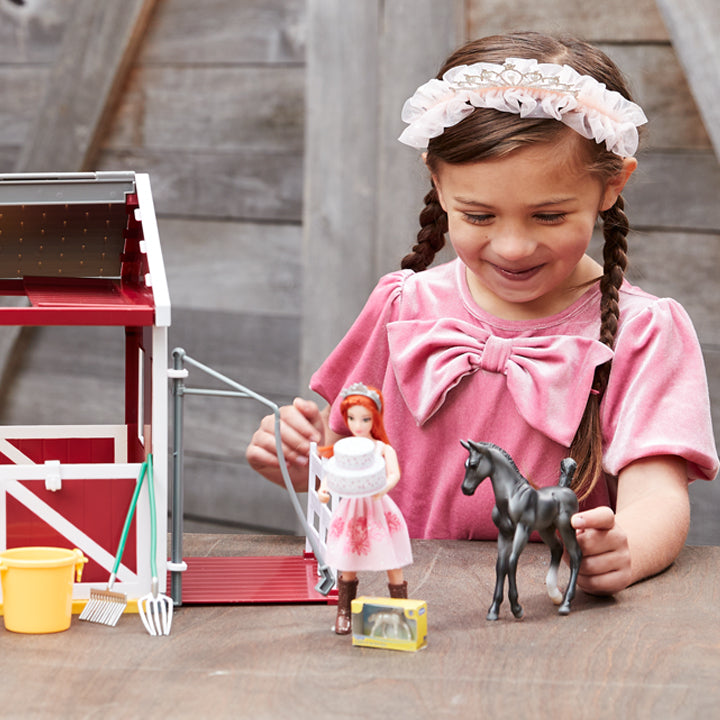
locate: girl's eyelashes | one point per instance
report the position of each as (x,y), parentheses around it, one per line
(477,219)
(551,218)
(554,218)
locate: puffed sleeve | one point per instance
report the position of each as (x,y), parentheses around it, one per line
(657,400)
(362,355)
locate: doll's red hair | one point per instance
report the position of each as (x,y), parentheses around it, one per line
(378,424)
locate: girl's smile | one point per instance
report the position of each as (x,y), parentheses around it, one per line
(517,274)
(522,223)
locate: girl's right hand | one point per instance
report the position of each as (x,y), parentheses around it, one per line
(323,494)
(300,424)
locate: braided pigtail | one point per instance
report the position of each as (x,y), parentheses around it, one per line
(431,237)
(586,447)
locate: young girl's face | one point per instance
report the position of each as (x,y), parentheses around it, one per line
(522,223)
(359,421)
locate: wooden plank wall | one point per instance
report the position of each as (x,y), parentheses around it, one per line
(214,109)
(361,185)
(694,27)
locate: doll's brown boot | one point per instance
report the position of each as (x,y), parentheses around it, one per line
(398,591)
(347,590)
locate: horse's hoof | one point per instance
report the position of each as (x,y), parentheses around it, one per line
(492,615)
(517,612)
(564,610)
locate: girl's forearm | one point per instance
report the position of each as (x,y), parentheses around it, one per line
(654,510)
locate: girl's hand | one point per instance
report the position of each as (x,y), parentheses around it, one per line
(301,423)
(323,493)
(606,566)
(646,533)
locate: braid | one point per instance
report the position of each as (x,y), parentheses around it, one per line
(586,447)
(431,237)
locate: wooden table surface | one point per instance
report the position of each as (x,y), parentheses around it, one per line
(653,651)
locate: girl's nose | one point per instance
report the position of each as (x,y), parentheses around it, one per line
(512,243)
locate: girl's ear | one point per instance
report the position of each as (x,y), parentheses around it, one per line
(436,182)
(615,185)
(438,189)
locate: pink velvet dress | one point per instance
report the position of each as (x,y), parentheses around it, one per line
(368,533)
(450,371)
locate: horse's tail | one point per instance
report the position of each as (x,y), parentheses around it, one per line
(567,472)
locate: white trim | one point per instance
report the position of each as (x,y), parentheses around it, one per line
(159,442)
(141,396)
(161,294)
(71,471)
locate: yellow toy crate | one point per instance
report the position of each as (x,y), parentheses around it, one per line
(389,623)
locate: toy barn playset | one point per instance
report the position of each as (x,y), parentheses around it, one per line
(83,249)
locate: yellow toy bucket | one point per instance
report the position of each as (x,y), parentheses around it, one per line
(37,586)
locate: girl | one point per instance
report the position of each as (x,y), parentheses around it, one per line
(366,533)
(524,340)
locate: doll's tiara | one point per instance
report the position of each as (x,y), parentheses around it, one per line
(529,89)
(364,390)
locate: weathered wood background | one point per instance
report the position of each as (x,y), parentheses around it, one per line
(268,128)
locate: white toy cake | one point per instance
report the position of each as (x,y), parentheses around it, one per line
(355,469)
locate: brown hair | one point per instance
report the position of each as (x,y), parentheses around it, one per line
(488,133)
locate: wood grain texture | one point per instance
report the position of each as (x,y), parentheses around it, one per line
(242,184)
(197,107)
(415,39)
(676,191)
(653,651)
(23,89)
(360,54)
(594,22)
(235,268)
(32,32)
(673,118)
(655,262)
(227,32)
(339,221)
(694,27)
(98,48)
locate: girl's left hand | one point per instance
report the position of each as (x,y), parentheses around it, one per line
(606,566)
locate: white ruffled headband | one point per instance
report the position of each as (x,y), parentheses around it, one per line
(529,89)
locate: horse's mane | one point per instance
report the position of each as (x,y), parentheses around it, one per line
(505,454)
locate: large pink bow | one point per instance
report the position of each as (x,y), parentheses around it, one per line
(549,378)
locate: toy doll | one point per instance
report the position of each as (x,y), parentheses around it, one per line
(368,531)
